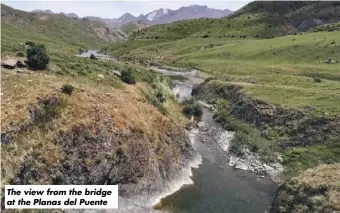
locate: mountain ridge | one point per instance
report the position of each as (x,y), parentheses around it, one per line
(68,29)
(159,16)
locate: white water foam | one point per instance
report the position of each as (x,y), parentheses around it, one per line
(145,203)
(186,173)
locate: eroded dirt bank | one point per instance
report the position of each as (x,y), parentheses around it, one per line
(293,127)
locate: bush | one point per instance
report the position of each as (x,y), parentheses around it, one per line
(192,108)
(160,96)
(317,80)
(205,36)
(37,57)
(30,43)
(239,143)
(81,51)
(48,109)
(67,89)
(93,57)
(127,76)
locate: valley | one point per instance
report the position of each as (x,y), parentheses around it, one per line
(228,114)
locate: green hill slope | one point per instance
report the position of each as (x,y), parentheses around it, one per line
(255,20)
(69,30)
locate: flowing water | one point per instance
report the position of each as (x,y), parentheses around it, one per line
(217,187)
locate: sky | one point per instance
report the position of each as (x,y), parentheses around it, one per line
(114,9)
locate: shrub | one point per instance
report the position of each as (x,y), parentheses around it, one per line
(67,89)
(160,96)
(21,54)
(37,57)
(238,143)
(254,148)
(81,51)
(127,76)
(317,80)
(205,36)
(30,43)
(48,109)
(192,108)
(93,57)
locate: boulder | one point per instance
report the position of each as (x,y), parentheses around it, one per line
(100,76)
(117,73)
(9,63)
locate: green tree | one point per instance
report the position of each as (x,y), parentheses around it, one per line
(37,57)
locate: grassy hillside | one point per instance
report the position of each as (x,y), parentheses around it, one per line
(255,20)
(277,70)
(59,27)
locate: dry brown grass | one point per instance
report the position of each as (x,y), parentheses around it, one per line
(127,108)
(324,175)
(315,190)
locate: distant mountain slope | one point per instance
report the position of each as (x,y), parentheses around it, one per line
(163,16)
(257,19)
(132,26)
(185,13)
(298,14)
(61,27)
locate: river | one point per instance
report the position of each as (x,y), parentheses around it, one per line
(216,187)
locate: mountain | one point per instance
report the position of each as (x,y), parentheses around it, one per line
(43,11)
(72,15)
(160,16)
(300,15)
(163,16)
(59,26)
(259,19)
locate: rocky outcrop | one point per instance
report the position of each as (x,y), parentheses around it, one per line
(97,155)
(146,166)
(297,127)
(9,63)
(314,191)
